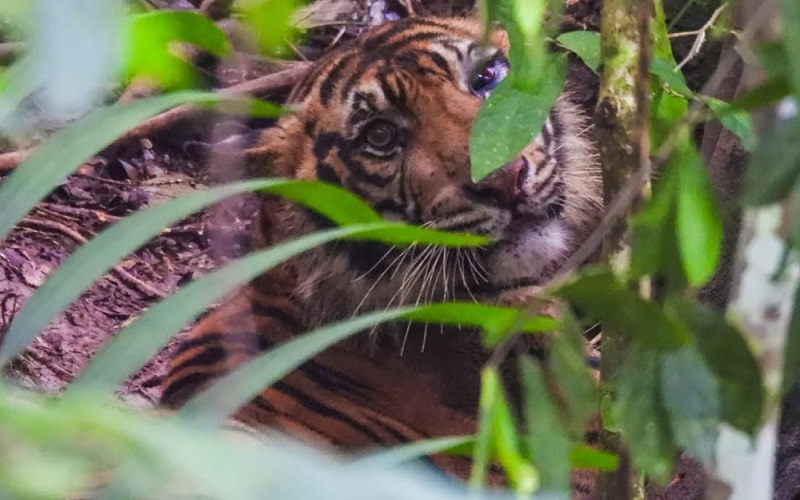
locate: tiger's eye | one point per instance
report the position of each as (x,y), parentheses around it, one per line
(381,135)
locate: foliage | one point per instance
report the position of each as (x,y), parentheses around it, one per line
(688,372)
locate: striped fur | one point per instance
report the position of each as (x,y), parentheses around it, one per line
(412,81)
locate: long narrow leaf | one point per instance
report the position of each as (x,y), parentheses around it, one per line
(96,257)
(134,345)
(131,348)
(398,455)
(67,149)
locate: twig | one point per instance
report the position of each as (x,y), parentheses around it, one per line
(700,36)
(122,274)
(267,83)
(264,84)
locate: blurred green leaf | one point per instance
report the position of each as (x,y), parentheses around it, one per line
(775,165)
(584,44)
(773,57)
(151,39)
(670,104)
(567,358)
(735,119)
(586,457)
(727,354)
(67,149)
(641,416)
(498,436)
(770,92)
(510,119)
(96,257)
(496,322)
(270,22)
(398,455)
(601,297)
(655,246)
(669,76)
(16,83)
(699,223)
(547,440)
(690,395)
(790,28)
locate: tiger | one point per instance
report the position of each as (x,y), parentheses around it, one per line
(388,117)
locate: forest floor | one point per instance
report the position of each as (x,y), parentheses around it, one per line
(143,171)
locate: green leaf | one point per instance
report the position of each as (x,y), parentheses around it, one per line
(95,258)
(584,44)
(728,355)
(735,119)
(496,322)
(138,342)
(271,22)
(497,432)
(790,23)
(601,297)
(511,118)
(773,56)
(150,51)
(690,395)
(768,93)
(16,83)
(547,440)
(655,246)
(699,223)
(67,149)
(641,417)
(567,359)
(398,455)
(665,71)
(775,165)
(585,457)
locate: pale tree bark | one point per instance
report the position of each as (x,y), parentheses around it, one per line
(761,303)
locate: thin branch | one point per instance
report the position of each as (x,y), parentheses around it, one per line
(700,36)
(265,84)
(121,274)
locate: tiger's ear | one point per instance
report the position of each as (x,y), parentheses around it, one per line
(271,154)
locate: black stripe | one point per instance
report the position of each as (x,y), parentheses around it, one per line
(262,404)
(332,78)
(180,390)
(452,47)
(390,94)
(389,205)
(326,411)
(327,174)
(391,430)
(440,62)
(381,37)
(243,339)
(331,379)
(292,323)
(382,55)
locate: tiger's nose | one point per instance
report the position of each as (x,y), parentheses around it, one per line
(504,185)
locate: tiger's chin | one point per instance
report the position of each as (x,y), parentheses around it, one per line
(531,254)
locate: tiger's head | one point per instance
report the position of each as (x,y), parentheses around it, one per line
(389,119)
